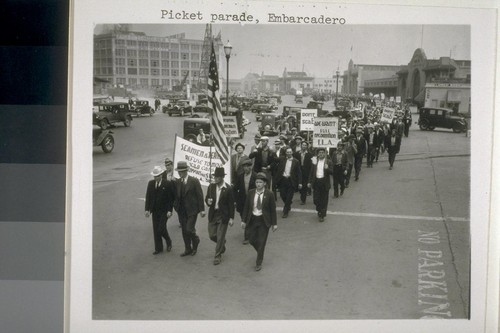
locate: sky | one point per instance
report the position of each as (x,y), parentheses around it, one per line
(320,50)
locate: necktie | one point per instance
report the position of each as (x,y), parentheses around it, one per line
(157,184)
(259,202)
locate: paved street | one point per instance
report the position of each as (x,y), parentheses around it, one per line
(394,246)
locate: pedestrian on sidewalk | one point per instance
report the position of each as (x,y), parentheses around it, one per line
(288,179)
(220,200)
(393,144)
(319,181)
(160,195)
(188,203)
(259,215)
(244,183)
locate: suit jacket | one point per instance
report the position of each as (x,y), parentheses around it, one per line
(240,192)
(295,172)
(268,207)
(395,148)
(259,163)
(160,200)
(306,168)
(343,160)
(350,152)
(226,202)
(361,145)
(328,171)
(236,169)
(191,196)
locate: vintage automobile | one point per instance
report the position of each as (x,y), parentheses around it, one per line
(430,118)
(111,113)
(142,107)
(181,108)
(100,100)
(201,108)
(262,107)
(103,138)
(271,124)
(192,129)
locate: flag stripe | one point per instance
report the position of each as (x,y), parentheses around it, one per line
(217,123)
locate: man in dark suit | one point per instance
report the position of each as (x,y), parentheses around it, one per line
(319,180)
(160,196)
(264,159)
(361,146)
(236,168)
(220,199)
(288,178)
(339,160)
(392,144)
(259,215)
(244,183)
(188,203)
(372,143)
(304,157)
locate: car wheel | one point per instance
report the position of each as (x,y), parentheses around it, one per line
(127,121)
(191,138)
(103,123)
(424,125)
(108,144)
(457,128)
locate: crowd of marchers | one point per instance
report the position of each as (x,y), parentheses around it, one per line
(291,167)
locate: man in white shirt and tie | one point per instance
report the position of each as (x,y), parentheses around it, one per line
(319,180)
(288,178)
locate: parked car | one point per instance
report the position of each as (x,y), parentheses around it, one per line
(100,100)
(430,118)
(201,109)
(103,138)
(262,107)
(142,107)
(271,124)
(111,113)
(192,127)
(181,108)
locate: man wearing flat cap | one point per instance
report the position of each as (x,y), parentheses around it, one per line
(265,159)
(259,214)
(244,183)
(220,200)
(160,195)
(188,203)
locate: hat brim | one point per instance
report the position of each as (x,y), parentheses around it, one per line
(181,169)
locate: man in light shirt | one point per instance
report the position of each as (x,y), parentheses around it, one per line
(259,215)
(319,180)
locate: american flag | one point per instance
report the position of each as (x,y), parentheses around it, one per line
(219,137)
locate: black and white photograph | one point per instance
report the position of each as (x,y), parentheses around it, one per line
(302,168)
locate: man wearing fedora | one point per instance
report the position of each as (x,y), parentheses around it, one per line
(160,196)
(265,159)
(259,214)
(188,203)
(244,183)
(220,200)
(236,168)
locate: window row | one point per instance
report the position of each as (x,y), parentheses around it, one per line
(146,45)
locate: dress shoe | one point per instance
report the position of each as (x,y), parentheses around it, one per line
(169,248)
(245,242)
(156,252)
(390,168)
(217,261)
(223,249)
(302,203)
(342,192)
(336,195)
(194,252)
(321,218)
(285,215)
(258,268)
(186,253)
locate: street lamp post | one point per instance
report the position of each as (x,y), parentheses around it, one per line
(337,89)
(227,51)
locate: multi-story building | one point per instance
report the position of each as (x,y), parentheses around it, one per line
(137,61)
(356,75)
(297,81)
(387,86)
(327,85)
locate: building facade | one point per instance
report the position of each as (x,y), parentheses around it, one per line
(356,75)
(327,85)
(387,86)
(137,61)
(293,81)
(413,78)
(455,96)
